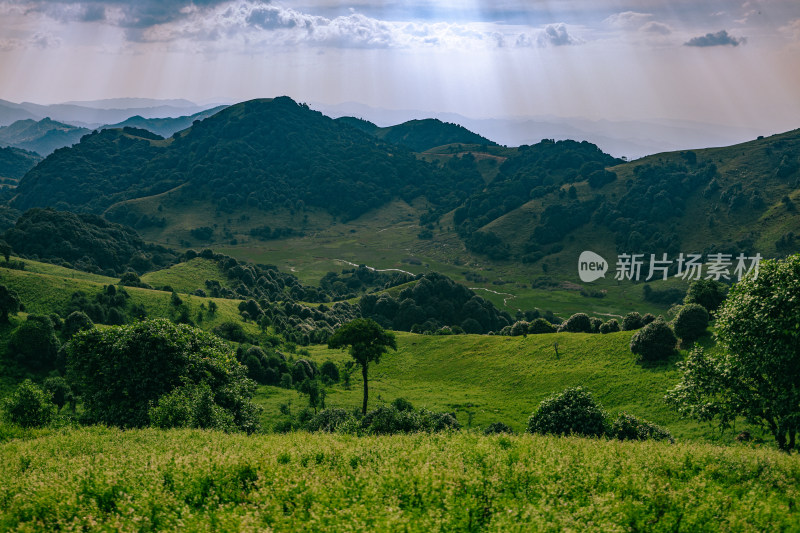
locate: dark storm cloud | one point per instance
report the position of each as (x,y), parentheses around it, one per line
(721,38)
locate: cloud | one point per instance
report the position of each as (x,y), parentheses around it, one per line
(139,14)
(628,19)
(721,38)
(556,35)
(657,28)
(44,41)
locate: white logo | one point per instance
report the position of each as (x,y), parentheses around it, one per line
(591,267)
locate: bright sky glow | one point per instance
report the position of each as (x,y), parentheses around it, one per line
(719,61)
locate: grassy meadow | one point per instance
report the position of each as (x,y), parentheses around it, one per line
(97,479)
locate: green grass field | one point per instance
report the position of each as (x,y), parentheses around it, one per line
(490,378)
(97,479)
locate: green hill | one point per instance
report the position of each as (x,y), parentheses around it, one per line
(263,154)
(43,136)
(419,135)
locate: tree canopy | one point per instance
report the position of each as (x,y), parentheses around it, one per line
(368,341)
(756,374)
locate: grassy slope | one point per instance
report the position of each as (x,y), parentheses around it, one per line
(141,480)
(188,276)
(495,378)
(44,293)
(505,378)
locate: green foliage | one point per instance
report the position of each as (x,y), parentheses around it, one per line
(9,303)
(654,342)
(34,343)
(389,420)
(330,371)
(541,325)
(629,427)
(422,135)
(367,342)
(756,372)
(570,412)
(433,302)
(59,390)
(497,427)
(609,326)
(87,242)
(76,321)
(706,292)
(691,322)
(632,321)
(120,372)
(330,420)
(265,154)
(191,406)
(15,162)
(578,323)
(29,406)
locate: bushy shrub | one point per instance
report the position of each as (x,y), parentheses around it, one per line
(706,292)
(388,420)
(401,404)
(632,321)
(571,412)
(28,406)
(691,322)
(629,427)
(519,327)
(59,390)
(497,427)
(191,406)
(77,321)
(647,318)
(596,323)
(232,331)
(578,323)
(609,327)
(121,372)
(330,420)
(330,371)
(540,325)
(35,343)
(654,342)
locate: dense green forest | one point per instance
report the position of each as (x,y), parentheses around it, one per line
(15,162)
(260,154)
(419,135)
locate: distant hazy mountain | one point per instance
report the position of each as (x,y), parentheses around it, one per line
(631,139)
(11,112)
(94,114)
(131,103)
(42,137)
(165,127)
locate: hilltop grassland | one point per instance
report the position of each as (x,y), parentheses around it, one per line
(97,479)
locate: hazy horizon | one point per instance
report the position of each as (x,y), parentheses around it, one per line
(721,62)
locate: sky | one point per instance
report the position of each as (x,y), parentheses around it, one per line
(718,61)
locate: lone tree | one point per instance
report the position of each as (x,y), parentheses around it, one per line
(756,375)
(9,303)
(367,342)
